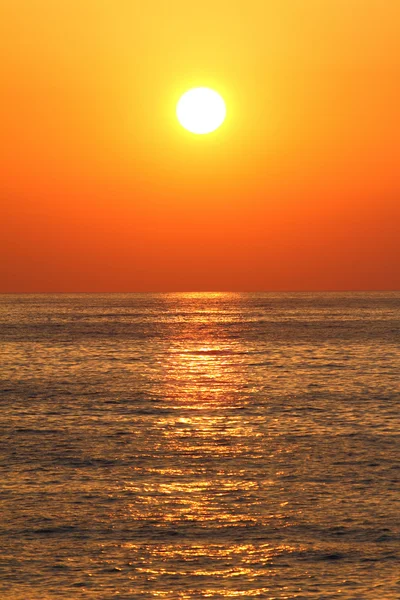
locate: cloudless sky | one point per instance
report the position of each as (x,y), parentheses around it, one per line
(102,189)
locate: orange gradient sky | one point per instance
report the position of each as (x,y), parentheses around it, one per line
(103,190)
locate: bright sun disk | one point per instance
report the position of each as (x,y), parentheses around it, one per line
(201,110)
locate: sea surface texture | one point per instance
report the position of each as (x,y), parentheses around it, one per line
(190,446)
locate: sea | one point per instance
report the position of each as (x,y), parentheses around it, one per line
(200,445)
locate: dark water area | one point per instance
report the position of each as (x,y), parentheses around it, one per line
(188,446)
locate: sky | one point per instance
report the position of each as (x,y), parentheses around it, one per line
(102,190)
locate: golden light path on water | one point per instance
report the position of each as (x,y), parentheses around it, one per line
(198,374)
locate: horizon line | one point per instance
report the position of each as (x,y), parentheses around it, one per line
(283,291)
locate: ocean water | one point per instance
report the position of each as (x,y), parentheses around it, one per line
(189,446)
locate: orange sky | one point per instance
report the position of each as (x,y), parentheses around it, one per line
(102,190)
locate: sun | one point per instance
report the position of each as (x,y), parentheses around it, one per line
(201,110)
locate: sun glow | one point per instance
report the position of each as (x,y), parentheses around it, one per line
(201,110)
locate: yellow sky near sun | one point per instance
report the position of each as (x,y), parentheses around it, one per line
(93,155)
